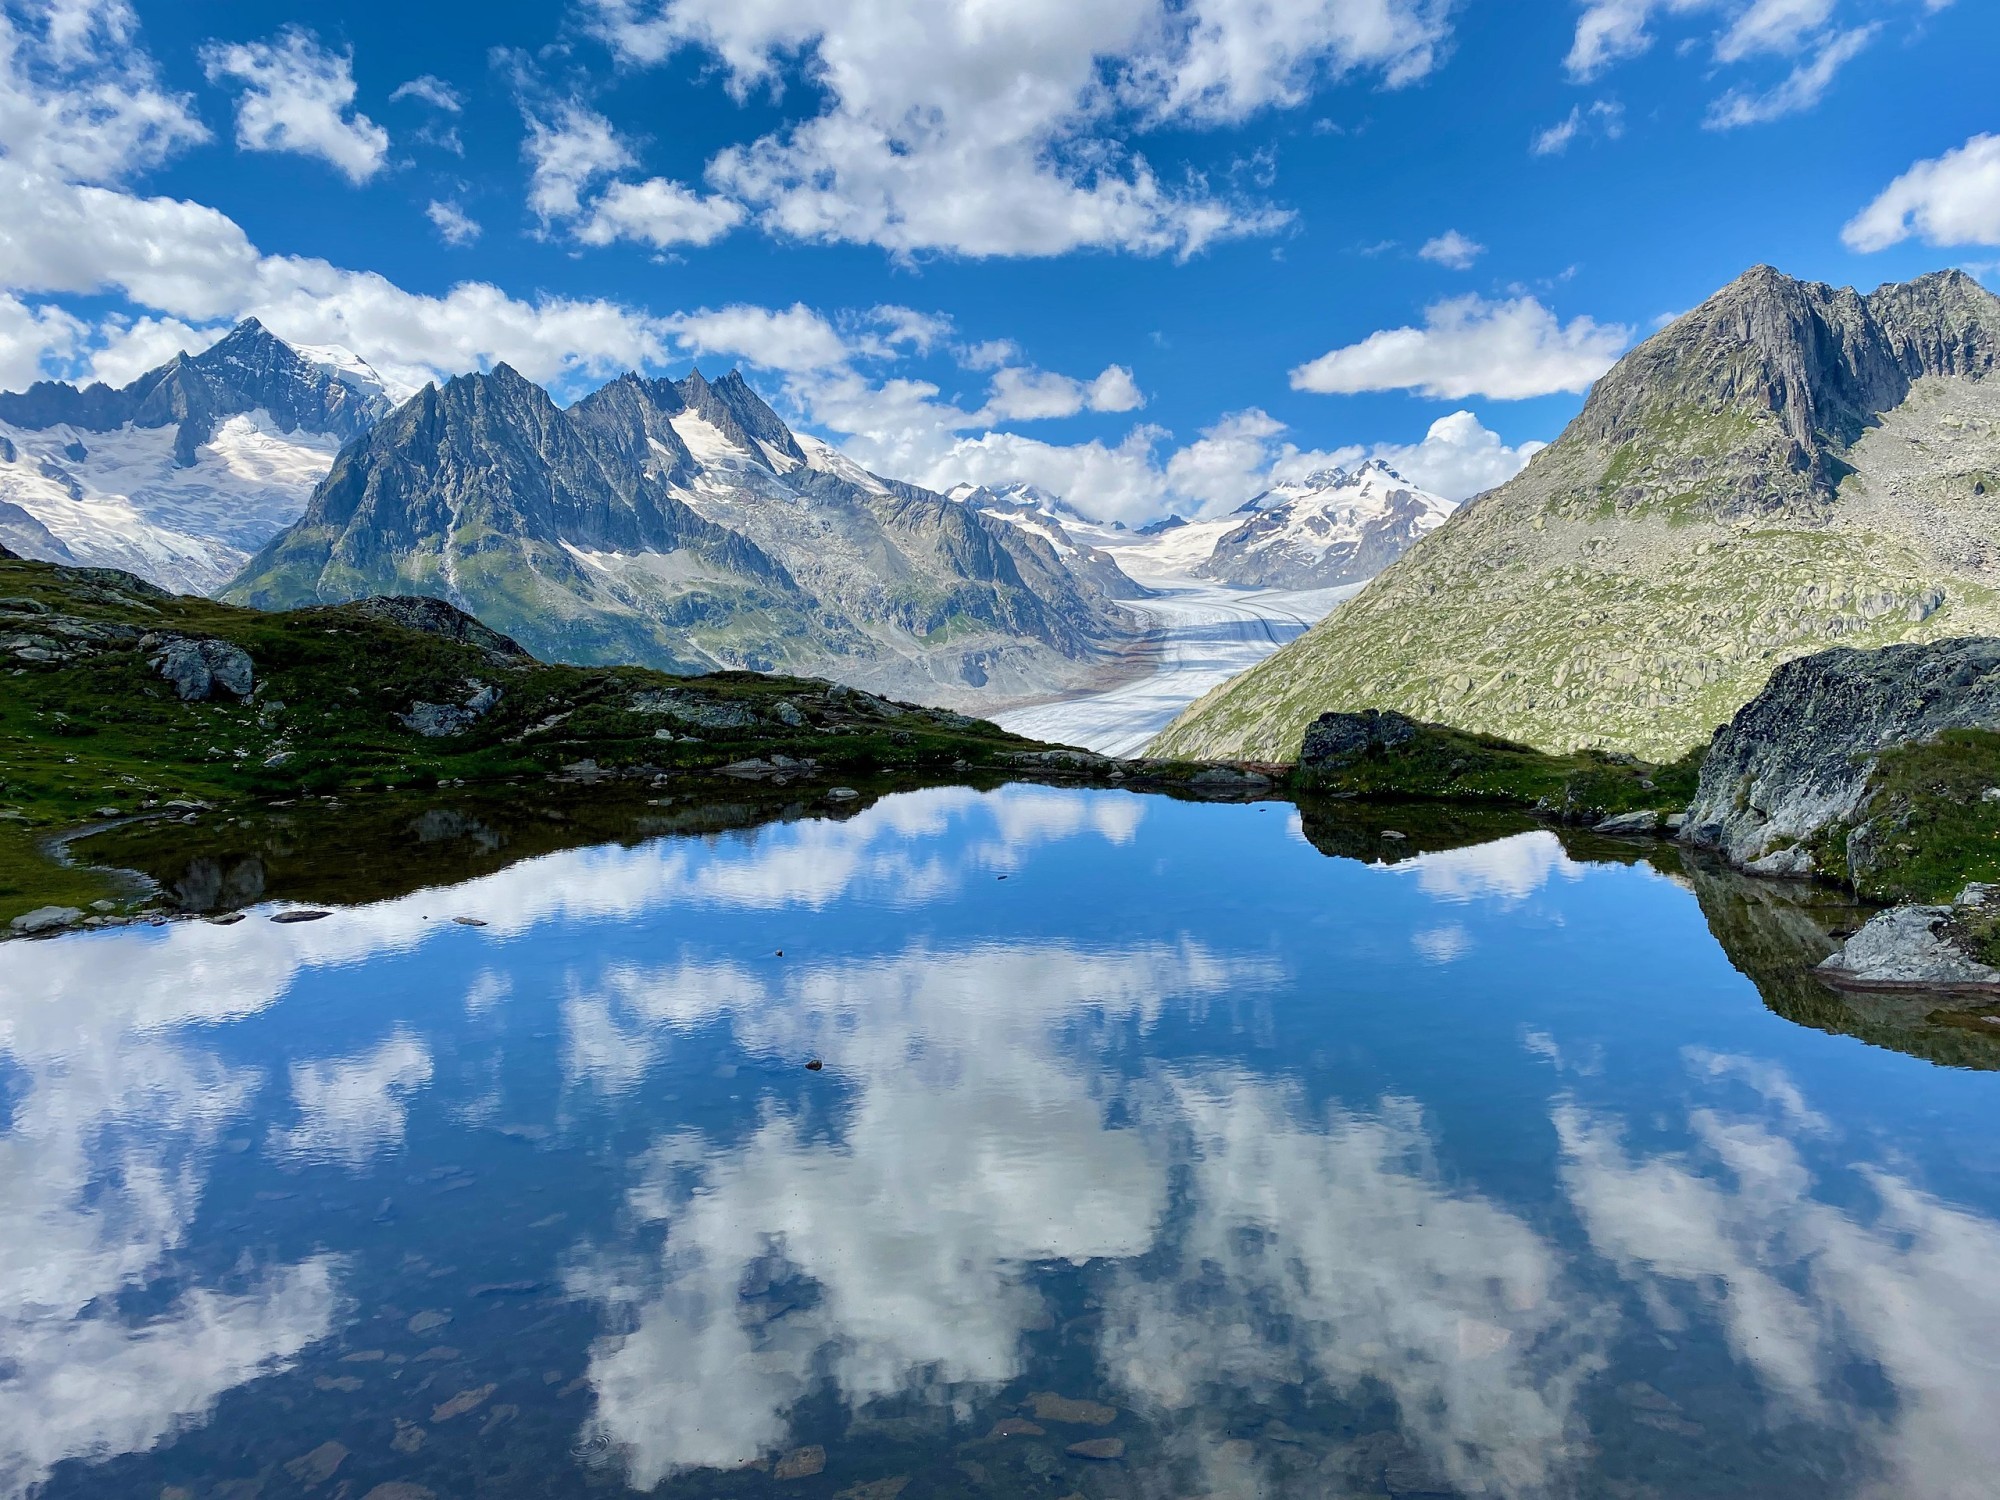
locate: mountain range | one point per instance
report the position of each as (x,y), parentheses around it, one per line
(184,472)
(1332,527)
(682,524)
(1786,467)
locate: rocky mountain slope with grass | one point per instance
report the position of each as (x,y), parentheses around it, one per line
(182,474)
(1787,467)
(682,525)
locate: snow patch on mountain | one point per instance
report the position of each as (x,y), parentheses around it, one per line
(1333,527)
(120,499)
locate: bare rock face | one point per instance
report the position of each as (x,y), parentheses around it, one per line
(1918,947)
(1797,757)
(199,668)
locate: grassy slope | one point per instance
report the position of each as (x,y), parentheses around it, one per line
(1561,611)
(103,730)
(1450,764)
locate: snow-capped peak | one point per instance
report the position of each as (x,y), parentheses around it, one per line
(351,369)
(1332,526)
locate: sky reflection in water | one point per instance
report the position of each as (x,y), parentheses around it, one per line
(1481,1173)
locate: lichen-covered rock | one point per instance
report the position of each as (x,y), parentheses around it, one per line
(1796,758)
(197,668)
(45,919)
(440,720)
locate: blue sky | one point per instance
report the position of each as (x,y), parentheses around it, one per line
(1149,253)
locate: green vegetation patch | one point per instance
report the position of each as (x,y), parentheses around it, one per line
(1445,763)
(1928,826)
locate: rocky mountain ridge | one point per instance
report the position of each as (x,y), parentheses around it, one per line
(1786,467)
(682,524)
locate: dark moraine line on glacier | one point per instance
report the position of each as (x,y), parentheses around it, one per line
(1204,634)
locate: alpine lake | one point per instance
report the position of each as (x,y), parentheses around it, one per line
(1014,1140)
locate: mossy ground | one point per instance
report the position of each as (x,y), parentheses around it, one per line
(1446,763)
(1929,826)
(101,730)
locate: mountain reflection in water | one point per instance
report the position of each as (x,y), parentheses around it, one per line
(1185,1160)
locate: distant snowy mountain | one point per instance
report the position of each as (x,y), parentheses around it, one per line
(185,472)
(1056,522)
(1333,527)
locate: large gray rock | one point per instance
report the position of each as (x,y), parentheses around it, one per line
(1916,947)
(198,668)
(45,919)
(1797,757)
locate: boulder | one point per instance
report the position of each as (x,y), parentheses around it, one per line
(1797,757)
(45,919)
(1919,947)
(1649,820)
(197,668)
(1336,740)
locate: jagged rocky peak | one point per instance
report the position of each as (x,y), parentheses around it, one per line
(1825,361)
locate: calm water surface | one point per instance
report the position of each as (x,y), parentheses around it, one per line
(1143,1126)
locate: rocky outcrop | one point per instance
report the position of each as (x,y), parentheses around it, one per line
(1338,740)
(1921,947)
(200,669)
(431,616)
(441,720)
(1796,759)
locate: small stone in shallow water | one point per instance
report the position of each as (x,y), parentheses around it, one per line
(1053,1408)
(299,916)
(814,1065)
(841,794)
(409,1437)
(1008,1427)
(469,921)
(424,1322)
(1391,833)
(399,1489)
(462,1403)
(318,1466)
(1101,1450)
(875,1489)
(801,1463)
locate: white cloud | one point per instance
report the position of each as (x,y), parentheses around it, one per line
(354,1109)
(566,155)
(1953,199)
(989,355)
(1451,249)
(1603,117)
(79,99)
(1458,458)
(190,262)
(1781,26)
(431,90)
(1800,89)
(1021,395)
(30,337)
(795,339)
(298,96)
(453,223)
(1468,346)
(128,348)
(658,213)
(963,126)
(1610,31)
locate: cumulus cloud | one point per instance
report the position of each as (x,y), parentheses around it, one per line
(1953,199)
(30,337)
(1018,394)
(128,347)
(296,95)
(1452,250)
(576,148)
(959,126)
(79,100)
(659,213)
(795,339)
(1458,458)
(1468,346)
(453,223)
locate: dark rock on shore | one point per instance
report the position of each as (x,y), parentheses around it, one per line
(1923,947)
(1795,762)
